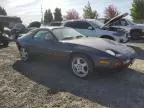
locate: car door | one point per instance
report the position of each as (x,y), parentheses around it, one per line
(61,49)
(43,43)
(85,28)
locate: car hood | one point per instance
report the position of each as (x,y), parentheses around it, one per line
(101,44)
(115,19)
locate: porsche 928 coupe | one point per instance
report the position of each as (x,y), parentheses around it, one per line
(85,54)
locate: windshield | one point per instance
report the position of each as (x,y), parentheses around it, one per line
(66,33)
(96,23)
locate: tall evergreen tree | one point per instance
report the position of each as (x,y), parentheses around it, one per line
(48,17)
(89,13)
(58,15)
(137,11)
(2,11)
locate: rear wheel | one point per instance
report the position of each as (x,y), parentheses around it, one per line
(24,54)
(81,66)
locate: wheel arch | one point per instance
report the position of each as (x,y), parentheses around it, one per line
(82,53)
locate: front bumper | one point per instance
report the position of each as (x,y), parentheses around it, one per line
(114,64)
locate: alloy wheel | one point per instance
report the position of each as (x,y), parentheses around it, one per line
(80,67)
(24,54)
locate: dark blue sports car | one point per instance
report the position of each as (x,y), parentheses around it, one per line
(84,53)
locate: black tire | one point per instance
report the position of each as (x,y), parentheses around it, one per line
(136,34)
(89,62)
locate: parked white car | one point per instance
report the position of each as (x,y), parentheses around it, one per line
(135,30)
(94,28)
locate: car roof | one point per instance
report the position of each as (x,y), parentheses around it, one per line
(52,27)
(80,20)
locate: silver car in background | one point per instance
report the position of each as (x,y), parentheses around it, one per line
(135,30)
(94,28)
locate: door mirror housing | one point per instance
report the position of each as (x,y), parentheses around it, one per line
(90,28)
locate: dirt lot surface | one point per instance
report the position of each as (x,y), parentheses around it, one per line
(51,85)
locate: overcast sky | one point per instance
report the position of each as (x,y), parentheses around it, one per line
(30,10)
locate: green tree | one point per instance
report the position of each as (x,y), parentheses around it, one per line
(2,11)
(89,13)
(48,17)
(137,10)
(58,15)
(111,11)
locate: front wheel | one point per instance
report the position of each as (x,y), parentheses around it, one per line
(81,66)
(24,54)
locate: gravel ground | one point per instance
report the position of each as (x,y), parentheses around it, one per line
(50,85)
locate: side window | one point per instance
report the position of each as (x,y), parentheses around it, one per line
(83,25)
(49,36)
(70,24)
(43,35)
(78,24)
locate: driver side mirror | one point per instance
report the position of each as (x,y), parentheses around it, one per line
(90,28)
